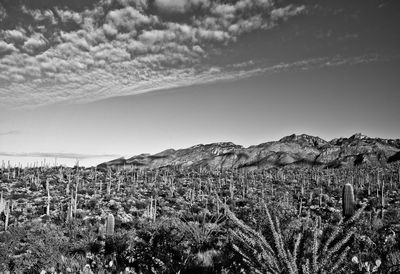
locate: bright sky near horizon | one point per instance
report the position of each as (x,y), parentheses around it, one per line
(98,79)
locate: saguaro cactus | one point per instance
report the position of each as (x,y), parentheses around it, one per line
(151,211)
(319,222)
(110,224)
(70,211)
(102,232)
(48,197)
(300,206)
(398,174)
(109,183)
(2,203)
(76,195)
(383,199)
(7,213)
(348,203)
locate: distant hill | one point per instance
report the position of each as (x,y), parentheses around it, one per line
(293,150)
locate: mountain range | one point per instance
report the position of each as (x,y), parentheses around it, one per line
(293,150)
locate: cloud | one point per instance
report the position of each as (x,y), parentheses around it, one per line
(3,13)
(110,30)
(15,36)
(171,5)
(6,48)
(128,19)
(40,15)
(180,6)
(124,47)
(59,155)
(35,43)
(67,16)
(286,12)
(138,4)
(10,132)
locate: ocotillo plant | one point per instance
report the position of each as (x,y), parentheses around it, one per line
(110,225)
(348,203)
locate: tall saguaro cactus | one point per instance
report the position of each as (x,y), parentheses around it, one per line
(151,211)
(2,203)
(7,213)
(398,174)
(348,202)
(48,198)
(110,225)
(383,199)
(109,183)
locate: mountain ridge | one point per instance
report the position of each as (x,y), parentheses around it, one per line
(291,150)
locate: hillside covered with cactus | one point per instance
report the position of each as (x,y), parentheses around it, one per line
(293,150)
(291,219)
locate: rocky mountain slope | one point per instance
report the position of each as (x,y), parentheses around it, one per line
(293,150)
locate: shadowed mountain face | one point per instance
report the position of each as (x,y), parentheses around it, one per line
(293,150)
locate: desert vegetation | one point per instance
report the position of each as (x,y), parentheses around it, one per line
(175,220)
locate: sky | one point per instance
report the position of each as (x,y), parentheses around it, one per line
(93,80)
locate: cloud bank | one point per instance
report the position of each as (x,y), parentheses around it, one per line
(82,52)
(59,155)
(10,132)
